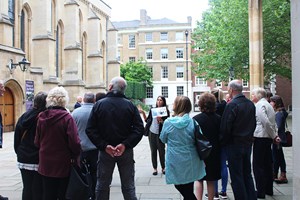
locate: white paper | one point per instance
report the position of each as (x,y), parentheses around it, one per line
(159,112)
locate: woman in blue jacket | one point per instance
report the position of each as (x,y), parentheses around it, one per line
(183,165)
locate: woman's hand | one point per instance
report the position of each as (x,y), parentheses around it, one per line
(160,120)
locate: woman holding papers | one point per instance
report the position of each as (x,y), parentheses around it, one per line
(156,118)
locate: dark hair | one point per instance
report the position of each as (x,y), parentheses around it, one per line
(207,102)
(182,105)
(162,98)
(278,102)
(39,101)
(100,95)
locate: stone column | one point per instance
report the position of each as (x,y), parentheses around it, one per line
(295,30)
(256,44)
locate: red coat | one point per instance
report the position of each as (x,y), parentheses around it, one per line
(57,138)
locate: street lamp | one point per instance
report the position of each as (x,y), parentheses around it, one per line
(187,64)
(22,64)
(231,73)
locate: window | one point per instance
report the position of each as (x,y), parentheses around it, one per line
(148,37)
(164,36)
(245,83)
(164,91)
(179,71)
(151,70)
(131,59)
(119,40)
(218,83)
(164,72)
(22,31)
(11,15)
(131,41)
(148,54)
(179,90)
(118,55)
(179,52)
(200,81)
(179,36)
(164,53)
(149,92)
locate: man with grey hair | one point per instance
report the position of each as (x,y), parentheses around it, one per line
(115,127)
(264,135)
(237,127)
(89,152)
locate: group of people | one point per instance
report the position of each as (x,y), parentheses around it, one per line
(105,128)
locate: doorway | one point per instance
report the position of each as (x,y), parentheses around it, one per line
(7,110)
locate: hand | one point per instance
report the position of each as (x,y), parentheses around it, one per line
(159,120)
(110,150)
(277,140)
(120,148)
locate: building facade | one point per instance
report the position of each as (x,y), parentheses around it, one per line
(69,43)
(165,45)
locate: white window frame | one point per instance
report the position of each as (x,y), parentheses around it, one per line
(164,72)
(164,53)
(149,54)
(179,72)
(180,90)
(200,81)
(164,36)
(149,92)
(131,41)
(148,37)
(245,83)
(131,59)
(179,36)
(165,91)
(179,53)
(218,83)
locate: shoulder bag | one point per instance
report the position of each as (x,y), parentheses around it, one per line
(203,145)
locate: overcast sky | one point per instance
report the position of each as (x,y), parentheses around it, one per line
(156,9)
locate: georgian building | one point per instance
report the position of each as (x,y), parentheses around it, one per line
(69,43)
(165,45)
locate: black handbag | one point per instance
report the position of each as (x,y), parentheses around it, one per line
(79,186)
(147,127)
(203,145)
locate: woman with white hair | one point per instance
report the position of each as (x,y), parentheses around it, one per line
(58,142)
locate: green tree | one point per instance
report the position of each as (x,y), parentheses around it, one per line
(223,39)
(137,72)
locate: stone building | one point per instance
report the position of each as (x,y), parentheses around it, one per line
(165,45)
(69,43)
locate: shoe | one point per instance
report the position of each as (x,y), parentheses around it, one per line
(154,174)
(260,196)
(282,179)
(163,171)
(223,195)
(216,197)
(3,198)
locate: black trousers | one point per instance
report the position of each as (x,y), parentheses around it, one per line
(54,188)
(187,191)
(262,166)
(32,185)
(156,145)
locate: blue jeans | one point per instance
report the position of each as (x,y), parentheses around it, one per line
(239,163)
(105,168)
(224,173)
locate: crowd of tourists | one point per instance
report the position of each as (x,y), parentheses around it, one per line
(104,128)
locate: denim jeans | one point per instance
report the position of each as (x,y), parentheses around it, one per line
(279,160)
(239,163)
(224,173)
(105,168)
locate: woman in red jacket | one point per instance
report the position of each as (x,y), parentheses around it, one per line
(58,142)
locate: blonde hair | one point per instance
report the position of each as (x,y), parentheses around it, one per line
(57,96)
(218,93)
(182,105)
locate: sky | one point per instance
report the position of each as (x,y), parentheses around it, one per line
(125,10)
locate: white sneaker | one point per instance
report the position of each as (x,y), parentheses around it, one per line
(216,197)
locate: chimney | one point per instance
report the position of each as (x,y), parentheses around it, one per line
(143,17)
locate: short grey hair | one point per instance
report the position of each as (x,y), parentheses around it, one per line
(118,84)
(259,93)
(89,97)
(57,96)
(236,85)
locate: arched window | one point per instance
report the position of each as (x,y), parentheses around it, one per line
(84,55)
(11,15)
(53,16)
(58,49)
(22,31)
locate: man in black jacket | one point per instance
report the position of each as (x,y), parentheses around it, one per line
(237,127)
(115,127)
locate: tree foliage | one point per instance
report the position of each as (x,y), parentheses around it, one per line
(137,72)
(223,39)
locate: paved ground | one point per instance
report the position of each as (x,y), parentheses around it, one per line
(148,187)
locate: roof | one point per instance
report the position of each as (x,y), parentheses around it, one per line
(136,23)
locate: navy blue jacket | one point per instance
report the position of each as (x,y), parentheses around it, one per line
(115,120)
(238,122)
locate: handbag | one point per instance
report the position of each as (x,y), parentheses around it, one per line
(147,127)
(289,137)
(79,186)
(203,145)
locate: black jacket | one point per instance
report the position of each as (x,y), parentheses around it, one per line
(24,146)
(114,120)
(150,119)
(238,121)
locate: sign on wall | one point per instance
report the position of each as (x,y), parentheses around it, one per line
(29,87)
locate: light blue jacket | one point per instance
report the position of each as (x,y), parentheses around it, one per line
(183,164)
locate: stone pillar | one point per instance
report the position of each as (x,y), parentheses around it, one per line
(256,44)
(295,30)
